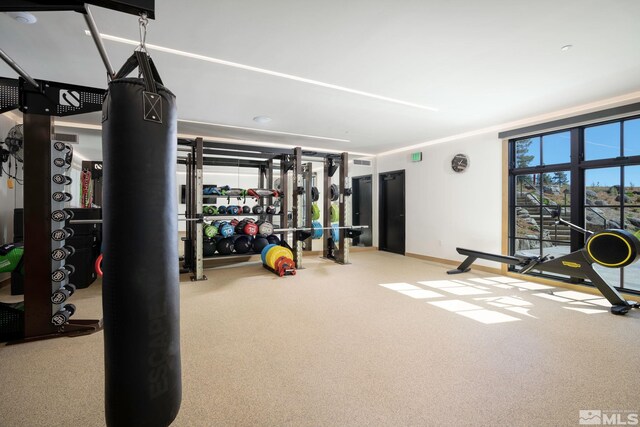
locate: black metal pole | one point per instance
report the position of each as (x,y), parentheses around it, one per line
(95,35)
(18,69)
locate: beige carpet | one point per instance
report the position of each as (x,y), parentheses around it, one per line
(331,347)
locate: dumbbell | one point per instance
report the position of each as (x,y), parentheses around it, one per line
(61,179)
(63,253)
(61,196)
(61,215)
(61,146)
(61,163)
(63,315)
(63,294)
(61,234)
(63,273)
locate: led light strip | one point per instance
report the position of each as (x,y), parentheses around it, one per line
(261,70)
(263,130)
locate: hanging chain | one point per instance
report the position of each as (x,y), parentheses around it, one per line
(143,21)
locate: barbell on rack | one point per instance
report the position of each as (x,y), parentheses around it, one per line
(277,230)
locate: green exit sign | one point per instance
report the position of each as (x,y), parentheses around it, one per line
(416,157)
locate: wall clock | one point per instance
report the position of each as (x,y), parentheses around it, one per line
(460,162)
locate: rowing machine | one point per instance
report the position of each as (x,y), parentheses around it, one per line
(610,248)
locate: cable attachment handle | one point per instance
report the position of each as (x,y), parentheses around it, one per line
(142,26)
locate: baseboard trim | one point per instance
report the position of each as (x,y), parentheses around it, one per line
(452,262)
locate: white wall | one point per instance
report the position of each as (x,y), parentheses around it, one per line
(445,209)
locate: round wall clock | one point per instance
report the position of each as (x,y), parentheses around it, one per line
(460,162)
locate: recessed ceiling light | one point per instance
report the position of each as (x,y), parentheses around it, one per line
(262,119)
(23,17)
(566,47)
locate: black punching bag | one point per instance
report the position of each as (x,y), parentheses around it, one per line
(140,295)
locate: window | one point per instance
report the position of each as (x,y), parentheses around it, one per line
(599,189)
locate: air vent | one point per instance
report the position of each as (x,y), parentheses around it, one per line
(362,162)
(70,138)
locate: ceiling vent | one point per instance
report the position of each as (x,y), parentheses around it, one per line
(70,138)
(362,162)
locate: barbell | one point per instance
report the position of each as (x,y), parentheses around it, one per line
(277,230)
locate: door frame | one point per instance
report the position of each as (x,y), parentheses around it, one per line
(370,176)
(381,202)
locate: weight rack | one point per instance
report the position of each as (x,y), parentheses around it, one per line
(201,153)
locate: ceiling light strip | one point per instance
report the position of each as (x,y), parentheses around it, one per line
(263,130)
(263,71)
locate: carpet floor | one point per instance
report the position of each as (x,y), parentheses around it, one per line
(386,341)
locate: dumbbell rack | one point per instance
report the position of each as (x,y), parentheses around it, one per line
(46,289)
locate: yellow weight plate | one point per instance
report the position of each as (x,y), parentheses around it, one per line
(275,253)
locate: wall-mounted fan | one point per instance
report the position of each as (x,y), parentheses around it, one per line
(14,148)
(14,143)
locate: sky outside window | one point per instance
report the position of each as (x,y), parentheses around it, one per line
(632,138)
(602,142)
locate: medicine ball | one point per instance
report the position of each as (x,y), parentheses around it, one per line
(246,209)
(242,245)
(240,226)
(265,228)
(250,229)
(210,230)
(335,192)
(315,194)
(214,210)
(273,239)
(233,210)
(257,209)
(271,210)
(225,230)
(259,243)
(222,210)
(225,246)
(208,247)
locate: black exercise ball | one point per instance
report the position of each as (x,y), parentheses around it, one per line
(273,239)
(246,209)
(259,243)
(242,244)
(208,247)
(225,246)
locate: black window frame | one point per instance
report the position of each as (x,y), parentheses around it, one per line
(576,167)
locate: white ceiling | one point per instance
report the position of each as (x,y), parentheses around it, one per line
(479,63)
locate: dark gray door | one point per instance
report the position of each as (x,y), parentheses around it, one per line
(392,219)
(361,208)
